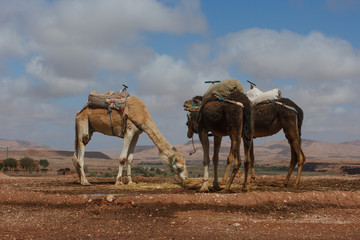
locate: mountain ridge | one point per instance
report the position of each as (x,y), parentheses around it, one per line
(277,151)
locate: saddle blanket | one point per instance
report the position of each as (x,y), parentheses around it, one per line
(222,90)
(257,96)
(109,100)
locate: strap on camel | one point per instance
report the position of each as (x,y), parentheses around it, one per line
(231,101)
(284,105)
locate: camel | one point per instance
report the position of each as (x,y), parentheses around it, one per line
(270,118)
(128,125)
(225,118)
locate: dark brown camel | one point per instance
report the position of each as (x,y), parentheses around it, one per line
(270,118)
(224,118)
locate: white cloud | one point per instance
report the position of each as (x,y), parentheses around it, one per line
(11,43)
(52,85)
(268,54)
(76,39)
(70,47)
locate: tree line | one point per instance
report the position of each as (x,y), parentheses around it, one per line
(26,163)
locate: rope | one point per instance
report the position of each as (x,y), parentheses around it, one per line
(193,104)
(192,140)
(112,127)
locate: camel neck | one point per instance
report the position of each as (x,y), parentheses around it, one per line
(158,139)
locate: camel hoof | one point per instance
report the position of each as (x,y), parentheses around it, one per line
(283,185)
(245,189)
(119,183)
(226,190)
(131,183)
(217,187)
(204,190)
(86,183)
(252,179)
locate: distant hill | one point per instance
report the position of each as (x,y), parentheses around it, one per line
(274,152)
(38,154)
(19,149)
(271,152)
(21,145)
(355,142)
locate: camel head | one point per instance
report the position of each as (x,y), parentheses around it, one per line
(192,124)
(177,164)
(193,104)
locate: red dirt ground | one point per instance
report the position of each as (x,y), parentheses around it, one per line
(58,207)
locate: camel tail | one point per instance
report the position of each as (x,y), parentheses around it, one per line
(247,129)
(299,111)
(300,119)
(76,143)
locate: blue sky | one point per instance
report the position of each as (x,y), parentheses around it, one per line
(53,53)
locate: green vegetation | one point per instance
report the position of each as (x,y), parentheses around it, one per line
(44,163)
(27,163)
(10,163)
(145,171)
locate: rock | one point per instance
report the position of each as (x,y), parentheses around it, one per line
(110,198)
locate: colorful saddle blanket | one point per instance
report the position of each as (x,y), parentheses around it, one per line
(109,100)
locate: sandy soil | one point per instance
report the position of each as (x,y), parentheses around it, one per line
(58,207)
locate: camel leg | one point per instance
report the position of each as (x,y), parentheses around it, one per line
(131,157)
(82,138)
(217,144)
(292,166)
(234,153)
(229,163)
(297,155)
(203,135)
(128,137)
(252,162)
(301,160)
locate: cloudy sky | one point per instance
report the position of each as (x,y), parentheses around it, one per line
(53,53)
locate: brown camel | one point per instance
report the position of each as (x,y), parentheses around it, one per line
(127,125)
(225,118)
(270,118)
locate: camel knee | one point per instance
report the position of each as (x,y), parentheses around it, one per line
(236,166)
(246,164)
(123,161)
(206,162)
(85,139)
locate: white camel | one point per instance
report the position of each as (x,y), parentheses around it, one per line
(128,125)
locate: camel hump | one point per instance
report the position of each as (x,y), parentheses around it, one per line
(223,89)
(136,111)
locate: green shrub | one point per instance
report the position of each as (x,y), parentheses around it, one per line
(10,163)
(107,174)
(44,163)
(27,163)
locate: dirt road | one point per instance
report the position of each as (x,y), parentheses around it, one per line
(57,207)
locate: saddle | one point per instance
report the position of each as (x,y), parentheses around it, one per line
(222,90)
(256,96)
(109,100)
